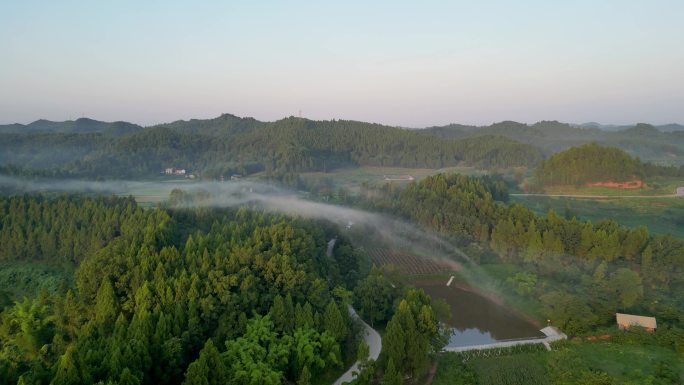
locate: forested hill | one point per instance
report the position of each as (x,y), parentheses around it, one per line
(229,144)
(662,144)
(588,164)
(191,296)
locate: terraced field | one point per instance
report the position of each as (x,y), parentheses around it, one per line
(407,263)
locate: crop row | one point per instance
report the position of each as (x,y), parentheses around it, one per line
(406,263)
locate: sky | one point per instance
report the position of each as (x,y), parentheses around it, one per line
(411,64)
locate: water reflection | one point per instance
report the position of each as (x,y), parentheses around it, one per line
(478,320)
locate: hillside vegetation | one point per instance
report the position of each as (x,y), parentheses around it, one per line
(588,164)
(199,296)
(229,144)
(661,145)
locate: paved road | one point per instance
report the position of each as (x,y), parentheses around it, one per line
(679,192)
(372,339)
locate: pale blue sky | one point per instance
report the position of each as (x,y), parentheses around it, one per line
(404,63)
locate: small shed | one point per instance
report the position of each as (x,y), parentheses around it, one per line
(625,321)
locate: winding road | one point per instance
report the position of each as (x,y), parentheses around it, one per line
(372,339)
(370,335)
(679,192)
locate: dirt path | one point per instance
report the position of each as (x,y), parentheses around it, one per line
(374,342)
(679,192)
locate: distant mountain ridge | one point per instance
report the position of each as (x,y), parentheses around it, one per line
(229,144)
(664,145)
(671,127)
(87,125)
(232,144)
(78,126)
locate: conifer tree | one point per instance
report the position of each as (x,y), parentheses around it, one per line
(67,372)
(391,375)
(106,304)
(333,322)
(208,369)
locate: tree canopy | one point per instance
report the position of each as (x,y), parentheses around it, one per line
(589,163)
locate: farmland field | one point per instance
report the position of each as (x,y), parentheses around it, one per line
(407,263)
(653,187)
(353,177)
(582,362)
(659,215)
(150,192)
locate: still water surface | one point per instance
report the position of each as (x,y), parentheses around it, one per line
(478,320)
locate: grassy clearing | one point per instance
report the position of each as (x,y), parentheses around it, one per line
(156,191)
(625,362)
(659,215)
(570,362)
(352,178)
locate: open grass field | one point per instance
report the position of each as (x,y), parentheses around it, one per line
(352,178)
(570,362)
(153,191)
(659,215)
(625,361)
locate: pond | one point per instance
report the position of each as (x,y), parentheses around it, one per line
(477,320)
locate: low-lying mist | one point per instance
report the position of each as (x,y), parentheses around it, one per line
(362,227)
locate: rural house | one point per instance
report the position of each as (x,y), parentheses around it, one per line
(625,321)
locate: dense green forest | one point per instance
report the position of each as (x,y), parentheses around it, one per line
(591,163)
(202,296)
(229,144)
(581,272)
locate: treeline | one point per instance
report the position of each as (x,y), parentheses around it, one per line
(228,145)
(194,296)
(582,272)
(64,230)
(592,163)
(302,144)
